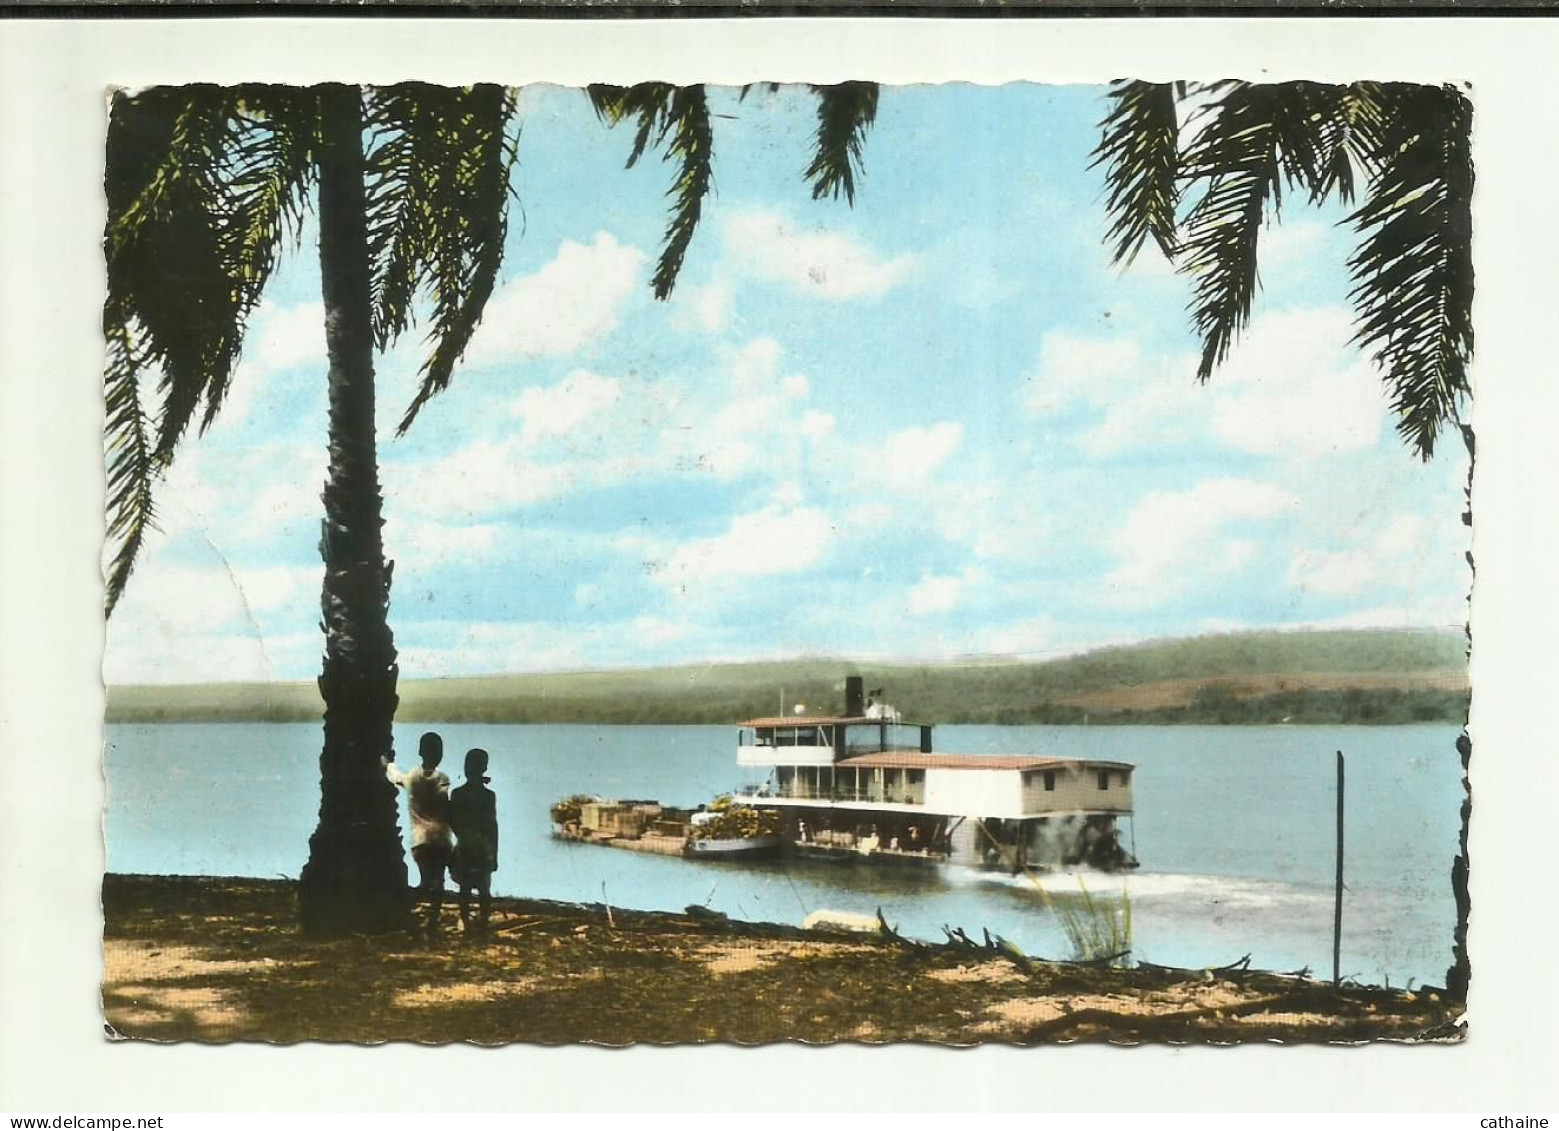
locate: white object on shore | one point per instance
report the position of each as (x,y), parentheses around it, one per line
(841,921)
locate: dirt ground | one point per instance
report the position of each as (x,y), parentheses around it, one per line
(222,960)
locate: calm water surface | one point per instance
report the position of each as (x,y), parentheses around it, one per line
(1234,828)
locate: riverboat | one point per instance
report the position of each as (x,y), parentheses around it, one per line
(866,786)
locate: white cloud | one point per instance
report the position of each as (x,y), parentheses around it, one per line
(276,339)
(1092,370)
(774,540)
(755,364)
(1145,400)
(282,337)
(483,478)
(167,655)
(1391,557)
(1292,241)
(1292,387)
(942,593)
(280,504)
(654,630)
(1032,637)
(1173,539)
(433,650)
(199,624)
(707,307)
(1445,613)
(590,431)
(572,300)
(274,587)
(754,421)
(558,409)
(824,264)
(908,459)
(420,546)
(1295,387)
(815,425)
(177,598)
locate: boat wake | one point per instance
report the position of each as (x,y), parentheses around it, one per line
(1144,888)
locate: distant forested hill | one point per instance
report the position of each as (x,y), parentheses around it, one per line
(1361,676)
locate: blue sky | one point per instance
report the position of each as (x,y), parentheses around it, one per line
(937,425)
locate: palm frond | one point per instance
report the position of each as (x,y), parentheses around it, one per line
(1236,158)
(647,102)
(692,146)
(1140,149)
(1349,132)
(266,173)
(844,113)
(202,183)
(394,189)
(437,202)
(677,120)
(1413,279)
(132,470)
(1304,125)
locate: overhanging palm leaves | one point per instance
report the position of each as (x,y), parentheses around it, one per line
(1141,144)
(844,113)
(438,193)
(1206,200)
(202,184)
(677,120)
(1413,271)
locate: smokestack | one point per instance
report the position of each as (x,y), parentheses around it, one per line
(854,697)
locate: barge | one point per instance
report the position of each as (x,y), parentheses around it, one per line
(864,785)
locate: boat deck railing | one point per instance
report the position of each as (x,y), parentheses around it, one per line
(836,793)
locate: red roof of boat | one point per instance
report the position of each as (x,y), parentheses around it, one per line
(912,760)
(808,720)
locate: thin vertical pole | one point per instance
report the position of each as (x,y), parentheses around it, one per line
(1337,911)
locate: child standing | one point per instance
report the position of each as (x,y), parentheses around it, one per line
(428,790)
(473,814)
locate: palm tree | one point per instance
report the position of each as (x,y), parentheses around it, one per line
(1203,197)
(410,186)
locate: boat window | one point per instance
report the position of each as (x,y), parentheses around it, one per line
(1104,779)
(1050,781)
(800,736)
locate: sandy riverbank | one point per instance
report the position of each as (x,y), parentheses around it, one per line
(222,960)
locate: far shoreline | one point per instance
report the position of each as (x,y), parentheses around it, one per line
(1309,678)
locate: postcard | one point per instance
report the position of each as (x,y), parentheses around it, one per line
(723,559)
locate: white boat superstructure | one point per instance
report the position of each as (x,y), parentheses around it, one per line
(866,778)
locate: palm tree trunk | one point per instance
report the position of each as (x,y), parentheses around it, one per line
(355,879)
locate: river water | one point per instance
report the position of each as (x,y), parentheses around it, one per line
(1234,827)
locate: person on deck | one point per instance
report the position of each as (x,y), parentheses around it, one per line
(427,790)
(473,814)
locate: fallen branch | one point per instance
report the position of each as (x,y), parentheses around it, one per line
(1239,966)
(1109,958)
(892,935)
